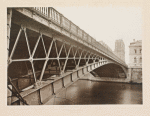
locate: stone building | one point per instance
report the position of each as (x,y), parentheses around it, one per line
(135,54)
(135,59)
(120,49)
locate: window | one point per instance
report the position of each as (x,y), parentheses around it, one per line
(140,59)
(135,60)
(135,50)
(140,50)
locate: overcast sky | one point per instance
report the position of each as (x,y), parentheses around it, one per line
(107,23)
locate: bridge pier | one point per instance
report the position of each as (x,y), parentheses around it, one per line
(135,75)
(129,75)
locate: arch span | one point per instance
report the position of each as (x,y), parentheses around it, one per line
(111,70)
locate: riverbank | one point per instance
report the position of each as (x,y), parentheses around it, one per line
(137,81)
(105,79)
(110,79)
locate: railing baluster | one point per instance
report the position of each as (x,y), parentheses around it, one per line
(52,14)
(44,11)
(55,16)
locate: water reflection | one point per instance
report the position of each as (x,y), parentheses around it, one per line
(126,97)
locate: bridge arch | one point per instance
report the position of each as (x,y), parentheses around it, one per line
(111,69)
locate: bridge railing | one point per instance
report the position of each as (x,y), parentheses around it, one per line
(66,24)
(42,10)
(54,15)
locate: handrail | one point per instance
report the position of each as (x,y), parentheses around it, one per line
(61,20)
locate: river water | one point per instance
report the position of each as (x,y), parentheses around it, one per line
(91,92)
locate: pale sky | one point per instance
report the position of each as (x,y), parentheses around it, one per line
(107,23)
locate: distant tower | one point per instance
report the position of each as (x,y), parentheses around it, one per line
(120,49)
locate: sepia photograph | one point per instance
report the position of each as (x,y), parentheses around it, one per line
(74,55)
(74,58)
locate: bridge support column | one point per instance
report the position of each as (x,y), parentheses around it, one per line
(129,74)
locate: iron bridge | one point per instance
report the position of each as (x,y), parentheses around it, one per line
(47,52)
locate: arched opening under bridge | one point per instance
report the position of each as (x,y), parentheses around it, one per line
(110,70)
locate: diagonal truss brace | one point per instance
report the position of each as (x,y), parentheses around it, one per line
(45,63)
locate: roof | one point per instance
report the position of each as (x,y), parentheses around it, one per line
(136,43)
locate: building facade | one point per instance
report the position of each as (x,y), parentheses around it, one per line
(120,49)
(135,54)
(135,59)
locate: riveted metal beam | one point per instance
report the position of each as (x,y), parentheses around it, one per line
(46,61)
(79,59)
(14,47)
(9,16)
(57,56)
(66,59)
(37,42)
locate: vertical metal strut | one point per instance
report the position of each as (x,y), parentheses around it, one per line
(46,60)
(9,16)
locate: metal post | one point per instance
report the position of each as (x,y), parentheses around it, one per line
(36,46)
(85,56)
(9,16)
(79,59)
(66,59)
(88,58)
(57,57)
(14,47)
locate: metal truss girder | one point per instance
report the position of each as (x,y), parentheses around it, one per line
(80,58)
(36,46)
(43,45)
(15,44)
(82,54)
(66,59)
(57,56)
(46,61)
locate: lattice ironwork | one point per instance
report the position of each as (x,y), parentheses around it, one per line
(34,57)
(39,56)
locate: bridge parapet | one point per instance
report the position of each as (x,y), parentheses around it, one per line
(54,16)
